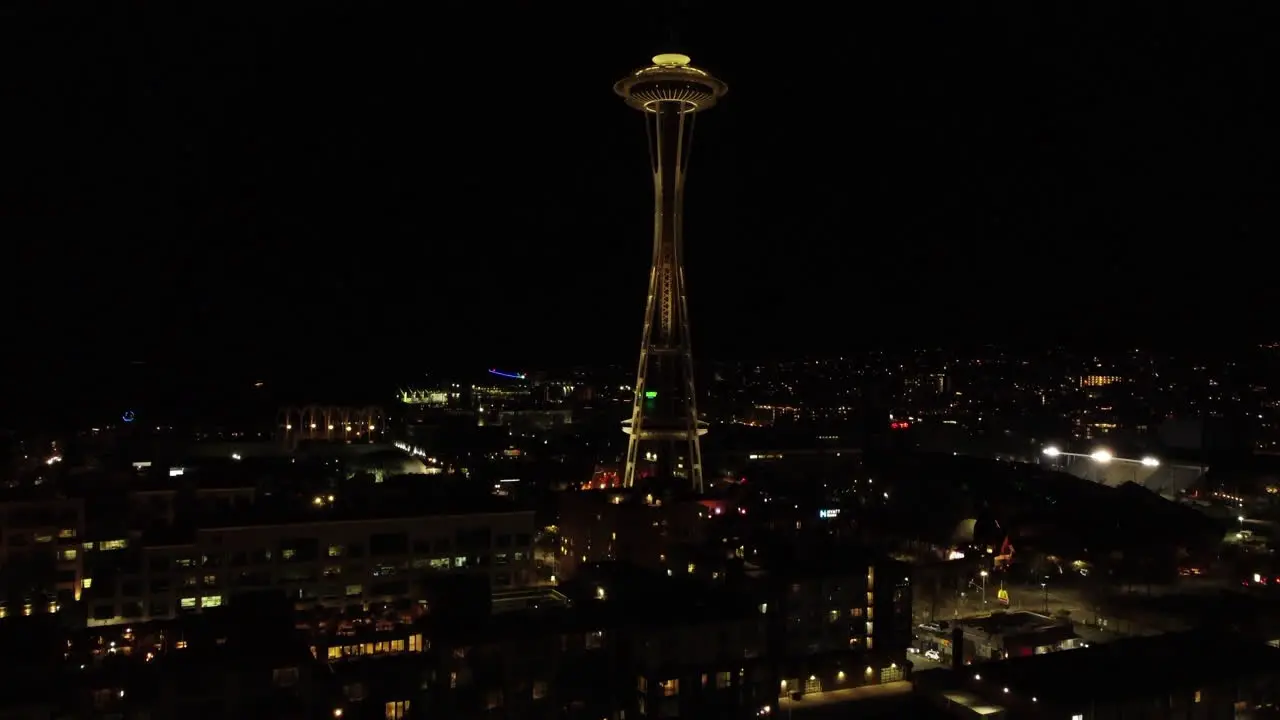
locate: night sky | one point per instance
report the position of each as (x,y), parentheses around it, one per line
(289,185)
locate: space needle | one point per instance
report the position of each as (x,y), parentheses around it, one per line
(664,428)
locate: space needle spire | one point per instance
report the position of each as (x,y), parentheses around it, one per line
(664,429)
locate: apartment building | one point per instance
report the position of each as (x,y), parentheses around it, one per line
(40,554)
(839,619)
(627,525)
(328,562)
(637,646)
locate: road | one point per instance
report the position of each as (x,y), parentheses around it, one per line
(920,663)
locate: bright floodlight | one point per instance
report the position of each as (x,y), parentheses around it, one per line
(1052,451)
(1150,461)
(1101,456)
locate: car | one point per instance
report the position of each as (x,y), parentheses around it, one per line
(933,655)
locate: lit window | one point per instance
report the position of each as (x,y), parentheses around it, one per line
(670,688)
(187,602)
(415,643)
(67,533)
(722,680)
(397,710)
(1197,696)
(86,583)
(67,555)
(113,545)
(44,538)
(209,601)
(354,590)
(337,550)
(539,689)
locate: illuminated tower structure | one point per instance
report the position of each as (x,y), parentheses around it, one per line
(664,422)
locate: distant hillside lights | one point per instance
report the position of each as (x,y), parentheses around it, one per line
(432,397)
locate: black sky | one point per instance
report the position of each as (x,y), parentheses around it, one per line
(293,183)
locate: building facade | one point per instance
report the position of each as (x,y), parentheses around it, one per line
(40,554)
(323,564)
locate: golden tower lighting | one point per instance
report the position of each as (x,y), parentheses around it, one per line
(664,427)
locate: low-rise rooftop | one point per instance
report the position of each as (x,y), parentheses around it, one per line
(1008,623)
(1165,662)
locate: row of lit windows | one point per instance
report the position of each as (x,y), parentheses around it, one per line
(106,545)
(414,644)
(856,612)
(671,688)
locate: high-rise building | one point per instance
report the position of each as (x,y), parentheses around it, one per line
(664,414)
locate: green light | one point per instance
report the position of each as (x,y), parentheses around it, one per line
(650,394)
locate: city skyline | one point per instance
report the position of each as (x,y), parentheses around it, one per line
(955,390)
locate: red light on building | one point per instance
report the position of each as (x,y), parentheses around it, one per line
(899,425)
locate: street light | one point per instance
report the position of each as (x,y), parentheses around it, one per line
(983,575)
(1101,455)
(1052,451)
(1150,461)
(1045,587)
